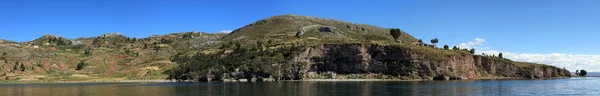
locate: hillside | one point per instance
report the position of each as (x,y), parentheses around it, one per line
(292,28)
(108,57)
(285,47)
(301,47)
(352,61)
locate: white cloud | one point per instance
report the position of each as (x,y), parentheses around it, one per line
(572,62)
(477,44)
(225,31)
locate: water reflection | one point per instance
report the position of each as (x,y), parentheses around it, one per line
(377,88)
(105,89)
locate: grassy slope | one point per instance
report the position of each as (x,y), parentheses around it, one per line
(283,28)
(113,58)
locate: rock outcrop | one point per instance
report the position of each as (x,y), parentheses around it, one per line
(113,34)
(408,62)
(326,29)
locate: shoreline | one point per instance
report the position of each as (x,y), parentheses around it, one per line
(305,80)
(99,81)
(342,80)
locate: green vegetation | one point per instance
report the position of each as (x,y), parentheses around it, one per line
(446,47)
(434,41)
(437,54)
(80,65)
(455,48)
(272,48)
(395,32)
(281,28)
(581,73)
(249,61)
(500,55)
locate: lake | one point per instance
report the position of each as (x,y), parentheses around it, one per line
(572,86)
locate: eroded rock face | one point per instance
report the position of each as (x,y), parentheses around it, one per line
(114,34)
(326,29)
(304,29)
(396,61)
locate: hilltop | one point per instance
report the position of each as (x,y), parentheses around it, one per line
(289,47)
(284,47)
(292,28)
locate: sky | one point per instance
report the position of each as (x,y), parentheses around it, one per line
(562,33)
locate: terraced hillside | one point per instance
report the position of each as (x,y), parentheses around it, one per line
(285,47)
(103,58)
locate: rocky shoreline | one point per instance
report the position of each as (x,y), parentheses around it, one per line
(306,80)
(244,80)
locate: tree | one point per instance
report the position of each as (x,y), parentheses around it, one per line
(260,45)
(80,65)
(472,51)
(582,72)
(3,57)
(396,33)
(157,48)
(466,50)
(87,52)
(420,41)
(500,55)
(455,48)
(269,42)
(15,67)
(446,47)
(434,41)
(22,67)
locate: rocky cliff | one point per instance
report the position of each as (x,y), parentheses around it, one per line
(417,62)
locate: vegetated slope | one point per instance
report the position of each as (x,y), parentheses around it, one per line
(285,47)
(107,57)
(352,61)
(318,53)
(292,28)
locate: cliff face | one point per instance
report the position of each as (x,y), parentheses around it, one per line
(418,64)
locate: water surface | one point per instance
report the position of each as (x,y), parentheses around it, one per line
(572,86)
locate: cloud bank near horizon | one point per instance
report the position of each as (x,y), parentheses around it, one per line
(225,31)
(572,62)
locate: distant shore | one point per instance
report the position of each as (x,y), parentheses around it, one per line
(357,80)
(85,81)
(116,81)
(327,80)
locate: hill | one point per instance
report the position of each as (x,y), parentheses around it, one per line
(285,47)
(292,28)
(108,57)
(301,47)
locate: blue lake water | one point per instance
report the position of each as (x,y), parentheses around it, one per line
(572,86)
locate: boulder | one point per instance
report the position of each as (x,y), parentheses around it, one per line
(326,29)
(441,77)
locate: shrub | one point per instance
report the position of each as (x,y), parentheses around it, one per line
(582,73)
(80,65)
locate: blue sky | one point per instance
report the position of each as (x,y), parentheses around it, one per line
(518,26)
